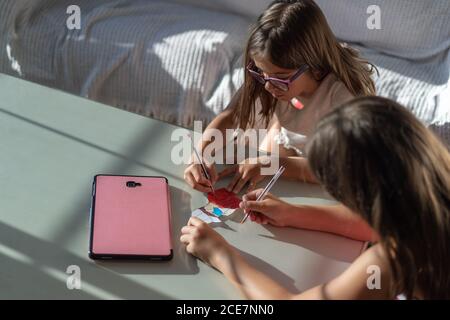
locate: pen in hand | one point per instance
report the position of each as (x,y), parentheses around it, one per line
(199,159)
(267,188)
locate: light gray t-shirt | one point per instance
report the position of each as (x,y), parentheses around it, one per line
(297,124)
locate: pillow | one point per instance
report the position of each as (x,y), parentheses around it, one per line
(412,29)
(249,8)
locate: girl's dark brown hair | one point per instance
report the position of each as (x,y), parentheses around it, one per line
(291,33)
(376,158)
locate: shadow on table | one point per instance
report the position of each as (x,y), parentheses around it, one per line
(294,189)
(27,275)
(182,262)
(275,274)
(31,273)
(330,245)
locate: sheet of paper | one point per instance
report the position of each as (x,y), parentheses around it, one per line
(222,203)
(199,213)
(218,211)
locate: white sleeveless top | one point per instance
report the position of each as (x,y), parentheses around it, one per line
(298,124)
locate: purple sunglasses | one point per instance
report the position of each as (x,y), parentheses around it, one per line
(281,84)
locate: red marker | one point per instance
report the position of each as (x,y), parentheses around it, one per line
(297,103)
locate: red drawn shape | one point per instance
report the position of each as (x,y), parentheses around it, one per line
(224,198)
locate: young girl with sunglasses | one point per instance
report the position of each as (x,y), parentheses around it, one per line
(378,160)
(296,71)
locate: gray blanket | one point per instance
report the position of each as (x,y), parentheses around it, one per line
(180,63)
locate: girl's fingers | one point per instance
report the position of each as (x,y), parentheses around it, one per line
(251,185)
(264,219)
(257,206)
(187,229)
(211,169)
(259,219)
(213,174)
(233,182)
(202,188)
(191,181)
(227,171)
(240,184)
(252,195)
(198,176)
(194,221)
(186,238)
(189,178)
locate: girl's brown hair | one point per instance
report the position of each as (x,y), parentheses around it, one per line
(376,158)
(292,33)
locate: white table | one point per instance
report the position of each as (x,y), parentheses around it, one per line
(53,143)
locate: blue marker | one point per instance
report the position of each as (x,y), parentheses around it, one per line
(217,211)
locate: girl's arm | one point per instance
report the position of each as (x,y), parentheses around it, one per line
(359,281)
(336,219)
(297,169)
(193,174)
(222,122)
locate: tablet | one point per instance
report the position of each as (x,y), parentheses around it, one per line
(130,218)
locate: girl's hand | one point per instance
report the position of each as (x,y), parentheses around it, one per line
(248,171)
(269,210)
(205,243)
(194,176)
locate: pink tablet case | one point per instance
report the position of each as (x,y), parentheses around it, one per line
(131,221)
